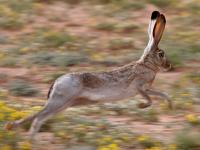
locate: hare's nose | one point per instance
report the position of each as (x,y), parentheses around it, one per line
(169,67)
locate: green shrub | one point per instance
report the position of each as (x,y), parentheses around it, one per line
(127,28)
(161,3)
(23,6)
(57,59)
(10,19)
(187,140)
(41,58)
(118,44)
(195,48)
(146,141)
(194,77)
(73,2)
(9,61)
(135,5)
(55,39)
(48,39)
(68,60)
(106,26)
(151,115)
(193,7)
(11,23)
(21,88)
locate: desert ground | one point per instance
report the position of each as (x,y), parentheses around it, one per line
(41,40)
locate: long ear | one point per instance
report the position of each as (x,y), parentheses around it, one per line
(154,16)
(158,29)
(155,30)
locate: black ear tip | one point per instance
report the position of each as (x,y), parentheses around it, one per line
(163,18)
(154,15)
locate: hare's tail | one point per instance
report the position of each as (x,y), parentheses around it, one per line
(50,90)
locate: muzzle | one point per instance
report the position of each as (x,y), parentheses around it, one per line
(167,66)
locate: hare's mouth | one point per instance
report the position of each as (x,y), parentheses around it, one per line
(167,66)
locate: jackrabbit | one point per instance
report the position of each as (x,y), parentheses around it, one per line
(84,88)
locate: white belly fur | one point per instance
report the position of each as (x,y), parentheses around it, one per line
(109,94)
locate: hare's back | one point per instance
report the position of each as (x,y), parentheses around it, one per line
(105,87)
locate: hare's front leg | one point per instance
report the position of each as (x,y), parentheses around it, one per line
(146,97)
(162,95)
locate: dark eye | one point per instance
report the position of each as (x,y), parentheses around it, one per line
(161,54)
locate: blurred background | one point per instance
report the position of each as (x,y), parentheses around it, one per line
(43,39)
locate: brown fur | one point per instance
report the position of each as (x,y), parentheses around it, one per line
(90,80)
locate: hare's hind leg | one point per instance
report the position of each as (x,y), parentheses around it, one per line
(162,95)
(49,110)
(64,91)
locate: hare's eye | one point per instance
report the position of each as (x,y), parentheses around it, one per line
(161,54)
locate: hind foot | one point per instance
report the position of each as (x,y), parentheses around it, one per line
(9,126)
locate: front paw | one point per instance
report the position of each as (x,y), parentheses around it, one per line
(143,105)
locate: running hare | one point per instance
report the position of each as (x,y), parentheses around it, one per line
(87,88)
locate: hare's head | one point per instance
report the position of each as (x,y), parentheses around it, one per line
(152,53)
